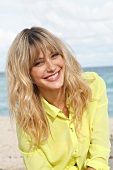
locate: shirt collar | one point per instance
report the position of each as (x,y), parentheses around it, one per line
(54,111)
(50,109)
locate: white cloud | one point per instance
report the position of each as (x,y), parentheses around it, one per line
(5,38)
(86,25)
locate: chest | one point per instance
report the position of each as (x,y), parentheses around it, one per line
(63,143)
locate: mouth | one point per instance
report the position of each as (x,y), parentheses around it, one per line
(53,77)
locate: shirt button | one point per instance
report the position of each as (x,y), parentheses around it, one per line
(72,129)
(75,164)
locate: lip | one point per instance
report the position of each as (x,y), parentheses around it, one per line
(53,77)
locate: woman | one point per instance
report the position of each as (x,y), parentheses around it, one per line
(60,112)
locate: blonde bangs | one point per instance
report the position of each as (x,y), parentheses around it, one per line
(41,45)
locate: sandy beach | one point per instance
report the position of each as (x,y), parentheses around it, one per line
(10,156)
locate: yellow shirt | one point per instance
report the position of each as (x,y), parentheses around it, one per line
(63,149)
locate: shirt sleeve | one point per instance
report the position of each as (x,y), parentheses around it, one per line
(99,149)
(34,158)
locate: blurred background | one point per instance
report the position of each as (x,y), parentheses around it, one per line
(85,25)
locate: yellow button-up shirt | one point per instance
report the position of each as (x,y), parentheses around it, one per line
(64,150)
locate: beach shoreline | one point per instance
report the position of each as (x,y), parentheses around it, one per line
(11,157)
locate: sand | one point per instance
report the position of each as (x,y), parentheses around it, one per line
(10,156)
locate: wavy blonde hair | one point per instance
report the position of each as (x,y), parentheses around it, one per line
(25,100)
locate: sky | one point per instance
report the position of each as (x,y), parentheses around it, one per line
(85,25)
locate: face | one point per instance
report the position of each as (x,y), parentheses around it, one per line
(48,72)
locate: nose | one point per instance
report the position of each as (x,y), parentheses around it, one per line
(50,66)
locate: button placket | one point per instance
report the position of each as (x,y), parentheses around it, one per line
(71,129)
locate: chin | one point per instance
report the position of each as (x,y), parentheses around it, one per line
(56,87)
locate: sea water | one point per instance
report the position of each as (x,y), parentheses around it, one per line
(105,72)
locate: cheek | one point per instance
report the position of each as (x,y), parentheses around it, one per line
(34,74)
(37,74)
(63,64)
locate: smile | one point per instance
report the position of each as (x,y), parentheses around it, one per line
(53,77)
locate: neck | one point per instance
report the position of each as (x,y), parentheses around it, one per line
(56,98)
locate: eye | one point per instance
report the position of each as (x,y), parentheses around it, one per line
(39,63)
(55,55)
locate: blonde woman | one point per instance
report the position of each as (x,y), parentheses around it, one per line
(60,112)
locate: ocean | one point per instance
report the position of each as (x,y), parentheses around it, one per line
(105,72)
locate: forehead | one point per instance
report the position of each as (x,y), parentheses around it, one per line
(44,51)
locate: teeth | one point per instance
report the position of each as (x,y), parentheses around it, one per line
(53,77)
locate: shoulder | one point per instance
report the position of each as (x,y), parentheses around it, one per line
(93,79)
(95,82)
